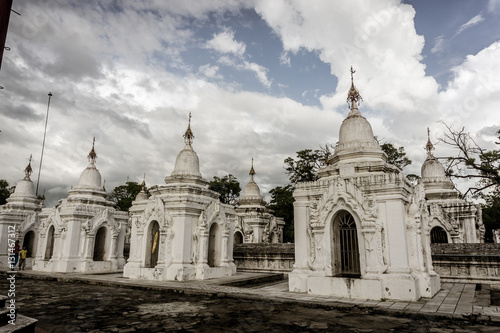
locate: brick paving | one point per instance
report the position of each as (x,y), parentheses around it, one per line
(454,300)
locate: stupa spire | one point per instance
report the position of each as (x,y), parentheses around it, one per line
(143,184)
(189,136)
(353,97)
(252,172)
(429,146)
(28,171)
(92,155)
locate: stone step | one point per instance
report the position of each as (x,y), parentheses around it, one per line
(23,325)
(3,317)
(3,299)
(257,280)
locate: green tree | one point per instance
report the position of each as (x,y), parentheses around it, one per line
(395,156)
(305,167)
(472,161)
(491,214)
(123,195)
(5,191)
(282,205)
(228,187)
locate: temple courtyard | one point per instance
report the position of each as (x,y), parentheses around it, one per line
(245,302)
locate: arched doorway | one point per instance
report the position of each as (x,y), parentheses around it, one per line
(346,249)
(238,238)
(100,244)
(49,248)
(29,241)
(214,246)
(438,235)
(153,245)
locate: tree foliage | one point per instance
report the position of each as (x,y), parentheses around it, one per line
(5,191)
(491,214)
(305,167)
(228,187)
(472,161)
(123,195)
(282,205)
(395,156)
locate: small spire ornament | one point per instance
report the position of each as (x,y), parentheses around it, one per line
(429,146)
(252,171)
(28,171)
(189,136)
(353,97)
(92,155)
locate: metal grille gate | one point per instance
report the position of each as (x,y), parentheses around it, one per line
(438,235)
(349,252)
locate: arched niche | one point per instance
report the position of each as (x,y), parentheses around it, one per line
(346,258)
(100,244)
(214,245)
(49,248)
(153,244)
(29,243)
(438,235)
(238,237)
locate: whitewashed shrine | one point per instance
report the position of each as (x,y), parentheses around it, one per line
(20,217)
(182,231)
(361,229)
(84,232)
(256,223)
(452,219)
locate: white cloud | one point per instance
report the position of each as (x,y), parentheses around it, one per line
(471,98)
(438,44)
(112,78)
(472,22)
(260,72)
(285,59)
(224,42)
(210,71)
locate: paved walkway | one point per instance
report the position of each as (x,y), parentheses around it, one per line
(453,300)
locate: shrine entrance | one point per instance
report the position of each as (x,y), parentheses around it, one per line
(153,245)
(100,244)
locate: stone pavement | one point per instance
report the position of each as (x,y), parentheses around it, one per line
(457,300)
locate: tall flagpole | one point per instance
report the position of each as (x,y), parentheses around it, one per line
(43,145)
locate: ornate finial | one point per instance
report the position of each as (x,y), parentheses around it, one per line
(28,171)
(252,171)
(143,184)
(429,146)
(92,155)
(189,136)
(353,97)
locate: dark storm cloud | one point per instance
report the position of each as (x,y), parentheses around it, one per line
(22,113)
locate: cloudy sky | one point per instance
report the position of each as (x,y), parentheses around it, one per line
(262,79)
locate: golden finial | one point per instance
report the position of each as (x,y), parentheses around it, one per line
(28,171)
(143,184)
(92,155)
(189,136)
(429,146)
(252,171)
(353,97)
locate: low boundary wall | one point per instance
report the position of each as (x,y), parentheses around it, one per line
(264,257)
(471,263)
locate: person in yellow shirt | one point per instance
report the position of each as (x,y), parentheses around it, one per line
(22,258)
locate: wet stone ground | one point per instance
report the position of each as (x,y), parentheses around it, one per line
(74,307)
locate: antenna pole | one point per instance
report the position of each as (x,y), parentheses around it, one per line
(43,145)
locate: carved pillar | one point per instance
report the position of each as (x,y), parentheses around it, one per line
(225,240)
